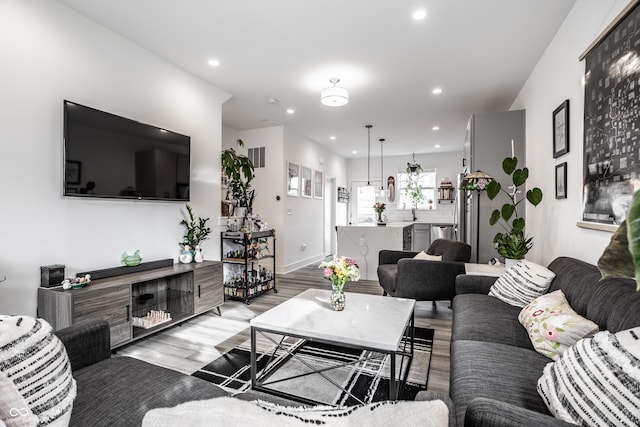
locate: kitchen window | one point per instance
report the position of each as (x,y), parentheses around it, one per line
(427,184)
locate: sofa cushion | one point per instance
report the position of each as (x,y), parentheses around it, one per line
(133,387)
(578,280)
(522,283)
(235,412)
(502,372)
(615,305)
(483,318)
(553,326)
(596,382)
(33,364)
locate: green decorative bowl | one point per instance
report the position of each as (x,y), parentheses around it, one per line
(131,260)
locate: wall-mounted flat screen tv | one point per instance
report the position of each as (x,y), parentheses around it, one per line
(114,157)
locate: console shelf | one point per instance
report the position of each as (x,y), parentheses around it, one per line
(181,290)
(248,264)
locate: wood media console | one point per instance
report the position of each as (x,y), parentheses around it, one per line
(137,304)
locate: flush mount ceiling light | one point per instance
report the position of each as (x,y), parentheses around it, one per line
(334,96)
(419,14)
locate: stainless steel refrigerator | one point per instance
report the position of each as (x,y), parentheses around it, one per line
(487,144)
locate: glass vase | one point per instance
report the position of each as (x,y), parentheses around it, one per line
(337,298)
(379,216)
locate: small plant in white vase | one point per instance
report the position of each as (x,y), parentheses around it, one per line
(196,231)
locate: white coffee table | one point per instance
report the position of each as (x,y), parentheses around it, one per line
(368,322)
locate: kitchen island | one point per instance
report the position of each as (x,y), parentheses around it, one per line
(363,242)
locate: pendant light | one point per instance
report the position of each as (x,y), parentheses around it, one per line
(382,192)
(334,96)
(368,154)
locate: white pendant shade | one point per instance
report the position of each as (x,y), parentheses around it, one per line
(382,193)
(334,96)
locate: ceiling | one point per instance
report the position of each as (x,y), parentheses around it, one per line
(479,52)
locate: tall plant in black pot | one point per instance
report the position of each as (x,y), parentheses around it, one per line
(513,243)
(239,170)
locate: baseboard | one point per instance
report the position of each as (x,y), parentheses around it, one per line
(318,258)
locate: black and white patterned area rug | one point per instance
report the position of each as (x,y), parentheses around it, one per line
(367,380)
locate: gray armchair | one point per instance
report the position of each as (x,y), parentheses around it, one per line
(402,276)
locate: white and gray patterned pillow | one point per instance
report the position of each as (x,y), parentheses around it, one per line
(236,412)
(597,381)
(33,364)
(522,283)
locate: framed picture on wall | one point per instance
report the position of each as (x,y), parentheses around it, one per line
(306,181)
(318,184)
(293,179)
(561,129)
(610,125)
(561,181)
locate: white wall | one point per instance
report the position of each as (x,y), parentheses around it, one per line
(446,165)
(557,77)
(298,221)
(303,241)
(50,53)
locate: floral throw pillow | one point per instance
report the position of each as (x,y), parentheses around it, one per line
(552,324)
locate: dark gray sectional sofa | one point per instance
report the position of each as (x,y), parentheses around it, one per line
(494,368)
(118,391)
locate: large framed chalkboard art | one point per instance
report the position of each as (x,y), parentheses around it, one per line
(612,121)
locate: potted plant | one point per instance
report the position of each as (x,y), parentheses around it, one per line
(379,207)
(413,166)
(413,189)
(239,170)
(196,231)
(513,243)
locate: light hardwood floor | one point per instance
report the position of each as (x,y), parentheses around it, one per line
(196,342)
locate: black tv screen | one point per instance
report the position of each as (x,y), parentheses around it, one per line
(111,156)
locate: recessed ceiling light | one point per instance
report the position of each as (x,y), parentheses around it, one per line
(437,91)
(290,111)
(419,14)
(214,62)
(437,145)
(435,128)
(354,152)
(332,137)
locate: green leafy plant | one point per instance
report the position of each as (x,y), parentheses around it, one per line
(513,243)
(413,189)
(196,229)
(239,170)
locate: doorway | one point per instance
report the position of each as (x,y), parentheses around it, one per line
(363,198)
(329,226)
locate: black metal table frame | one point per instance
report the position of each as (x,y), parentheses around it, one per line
(259,382)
